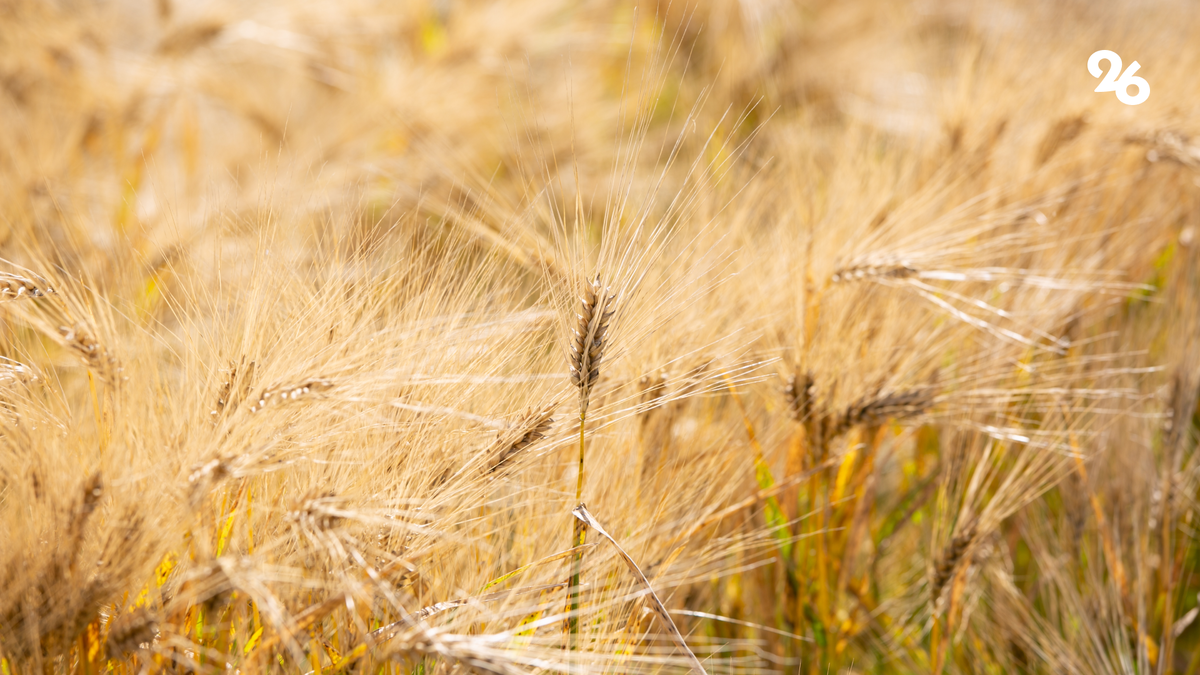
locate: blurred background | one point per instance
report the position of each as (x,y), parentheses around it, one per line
(166,122)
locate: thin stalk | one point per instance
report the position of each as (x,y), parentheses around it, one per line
(579,538)
(579,478)
(822,542)
(936,653)
(804,600)
(796,591)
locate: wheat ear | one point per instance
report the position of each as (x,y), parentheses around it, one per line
(15,287)
(289,392)
(1169,145)
(954,554)
(131,632)
(531,428)
(13,372)
(235,389)
(882,268)
(799,392)
(591,332)
(874,410)
(82,341)
(868,410)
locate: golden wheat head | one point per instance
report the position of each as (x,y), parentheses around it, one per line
(291,392)
(532,427)
(591,332)
(951,557)
(80,339)
(15,287)
(799,394)
(874,410)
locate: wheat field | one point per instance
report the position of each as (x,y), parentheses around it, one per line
(531,336)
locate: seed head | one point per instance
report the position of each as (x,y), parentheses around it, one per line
(15,287)
(946,566)
(132,632)
(82,341)
(532,427)
(590,338)
(799,394)
(281,393)
(235,389)
(886,268)
(881,407)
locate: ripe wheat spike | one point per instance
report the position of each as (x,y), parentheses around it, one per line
(948,562)
(597,306)
(15,287)
(531,428)
(278,394)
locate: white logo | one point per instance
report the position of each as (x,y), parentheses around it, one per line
(1119,84)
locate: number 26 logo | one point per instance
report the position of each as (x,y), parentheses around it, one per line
(1119,84)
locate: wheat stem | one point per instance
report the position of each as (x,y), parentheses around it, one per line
(579,478)
(579,538)
(587,351)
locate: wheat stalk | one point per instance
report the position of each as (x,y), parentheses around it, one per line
(587,351)
(583,515)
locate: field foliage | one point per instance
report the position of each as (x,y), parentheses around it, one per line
(597,337)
